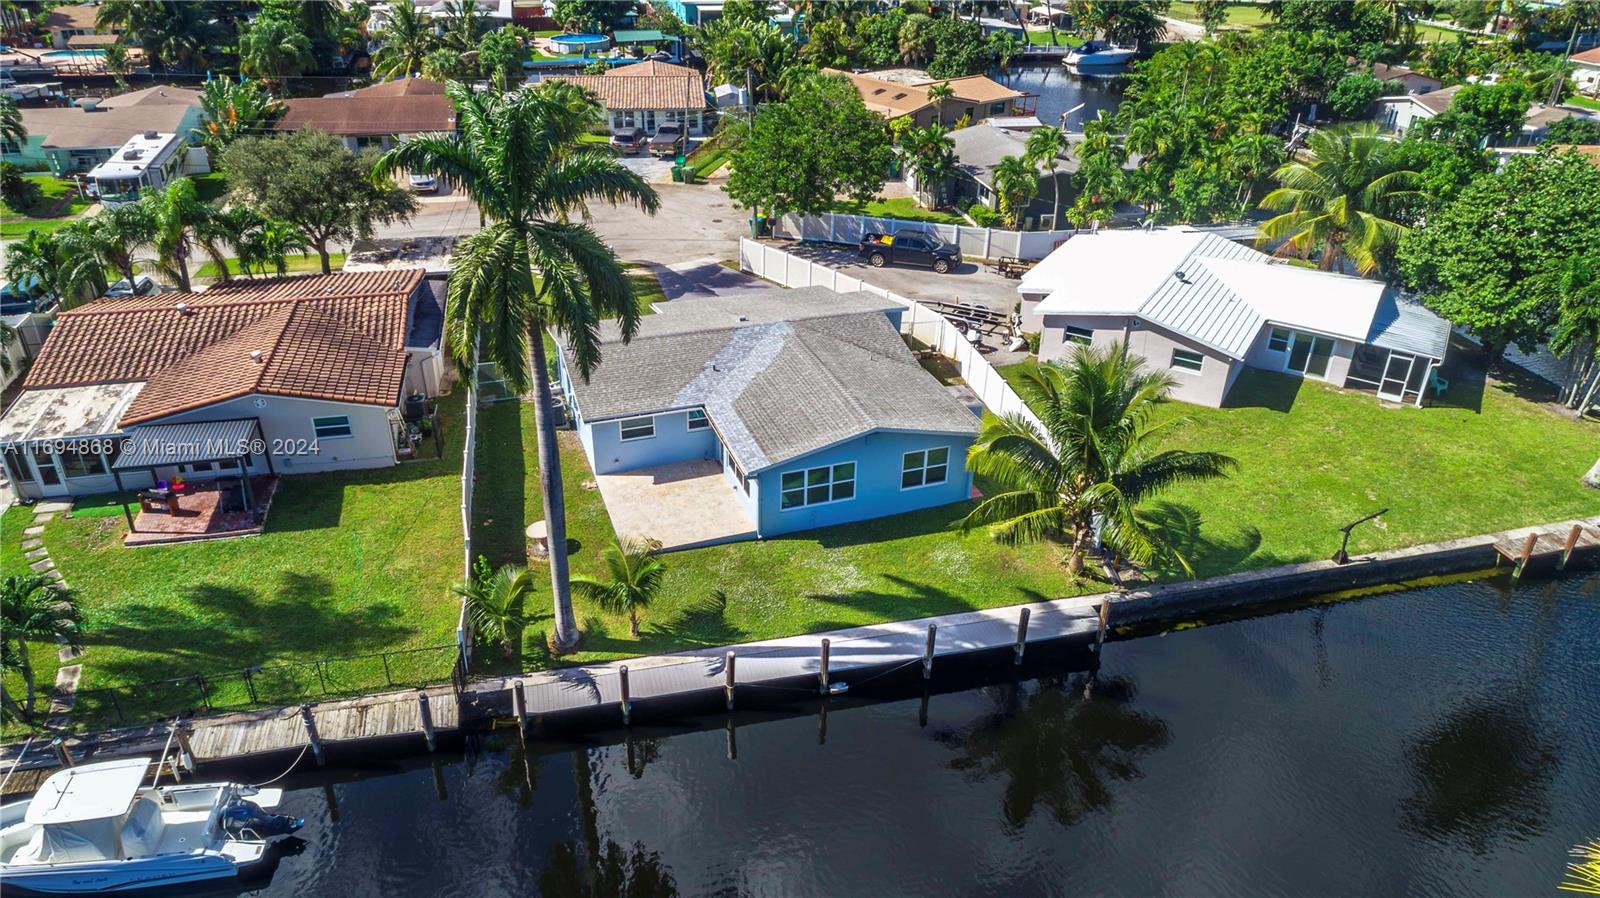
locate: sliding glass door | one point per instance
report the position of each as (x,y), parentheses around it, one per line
(1309,355)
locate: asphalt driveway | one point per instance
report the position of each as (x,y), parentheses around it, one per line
(967,282)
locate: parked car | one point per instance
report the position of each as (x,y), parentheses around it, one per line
(20,298)
(909,249)
(142,285)
(628,141)
(669,140)
(423,184)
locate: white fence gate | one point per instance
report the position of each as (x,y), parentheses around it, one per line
(982,243)
(920,322)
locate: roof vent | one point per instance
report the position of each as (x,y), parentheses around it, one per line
(183,309)
(742,317)
(151,135)
(257,356)
(1182,278)
(133,154)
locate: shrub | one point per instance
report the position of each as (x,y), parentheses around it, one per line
(17,191)
(1033,338)
(983,216)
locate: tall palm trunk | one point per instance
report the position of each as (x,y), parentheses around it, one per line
(550,488)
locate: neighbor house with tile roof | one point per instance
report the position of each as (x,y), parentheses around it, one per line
(321,367)
(648,95)
(379,116)
(904,92)
(789,410)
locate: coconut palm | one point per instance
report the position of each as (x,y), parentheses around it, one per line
(519,156)
(1045,147)
(636,576)
(915,39)
(273,48)
(938,94)
(1095,460)
(175,213)
(13,133)
(32,609)
(1015,183)
(174,34)
(117,64)
(1576,337)
(463,24)
(933,158)
(1337,202)
(63,263)
(405,39)
(496,600)
(117,234)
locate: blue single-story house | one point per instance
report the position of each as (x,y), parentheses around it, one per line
(763,414)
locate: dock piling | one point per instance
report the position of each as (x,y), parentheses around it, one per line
(1569,546)
(425,712)
(822,722)
(59,744)
(311,735)
(822,671)
(1022,635)
(1523,556)
(728,677)
(1100,631)
(927,653)
(185,753)
(622,683)
(733,743)
(519,708)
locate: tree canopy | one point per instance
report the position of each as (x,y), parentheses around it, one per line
(308,179)
(1540,211)
(818,144)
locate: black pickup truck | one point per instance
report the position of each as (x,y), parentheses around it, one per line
(923,250)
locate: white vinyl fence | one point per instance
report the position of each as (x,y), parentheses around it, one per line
(920,322)
(468,472)
(983,243)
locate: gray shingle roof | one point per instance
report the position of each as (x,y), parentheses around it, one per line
(780,374)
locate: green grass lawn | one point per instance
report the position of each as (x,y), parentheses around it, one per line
(1313,458)
(55,205)
(904,208)
(43,655)
(1240,15)
(892,568)
(1583,102)
(302,264)
(351,563)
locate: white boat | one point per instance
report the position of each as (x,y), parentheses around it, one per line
(1099,53)
(96,828)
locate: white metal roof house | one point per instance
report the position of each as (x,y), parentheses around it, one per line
(1204,308)
(766,413)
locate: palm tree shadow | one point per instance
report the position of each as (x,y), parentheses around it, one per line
(1181,528)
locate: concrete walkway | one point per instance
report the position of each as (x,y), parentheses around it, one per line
(65,695)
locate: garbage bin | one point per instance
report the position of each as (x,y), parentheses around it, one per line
(677,173)
(688,174)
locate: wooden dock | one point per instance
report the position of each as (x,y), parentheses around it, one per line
(393,714)
(767,663)
(1540,546)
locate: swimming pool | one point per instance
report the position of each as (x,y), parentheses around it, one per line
(61,54)
(580,43)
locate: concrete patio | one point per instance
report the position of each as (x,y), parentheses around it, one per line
(683,505)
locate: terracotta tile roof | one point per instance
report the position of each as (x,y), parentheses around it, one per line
(337,337)
(408,106)
(644,85)
(1589,57)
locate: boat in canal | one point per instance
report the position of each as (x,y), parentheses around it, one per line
(97,828)
(1098,53)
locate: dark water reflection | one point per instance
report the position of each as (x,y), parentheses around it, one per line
(1060,90)
(1442,741)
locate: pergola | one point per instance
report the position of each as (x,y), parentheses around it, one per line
(169,445)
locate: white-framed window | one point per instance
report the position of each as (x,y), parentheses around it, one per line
(1184,360)
(698,419)
(637,429)
(332,427)
(82,464)
(1078,335)
(1278,340)
(818,486)
(924,467)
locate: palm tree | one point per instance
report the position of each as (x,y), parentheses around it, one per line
(406,38)
(636,576)
(117,64)
(461,34)
(64,263)
(1576,337)
(174,214)
(496,600)
(1045,147)
(173,33)
(1337,202)
(13,133)
(933,159)
(519,156)
(915,39)
(116,235)
(1095,460)
(1015,183)
(32,609)
(273,49)
(937,95)
(231,110)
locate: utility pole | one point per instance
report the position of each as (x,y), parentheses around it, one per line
(1555,84)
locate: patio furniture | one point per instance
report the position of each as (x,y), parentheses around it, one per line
(158,501)
(1439,384)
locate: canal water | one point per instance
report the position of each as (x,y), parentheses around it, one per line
(1441,741)
(1060,90)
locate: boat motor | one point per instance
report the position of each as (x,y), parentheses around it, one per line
(242,818)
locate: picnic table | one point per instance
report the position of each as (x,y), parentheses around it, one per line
(1013,267)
